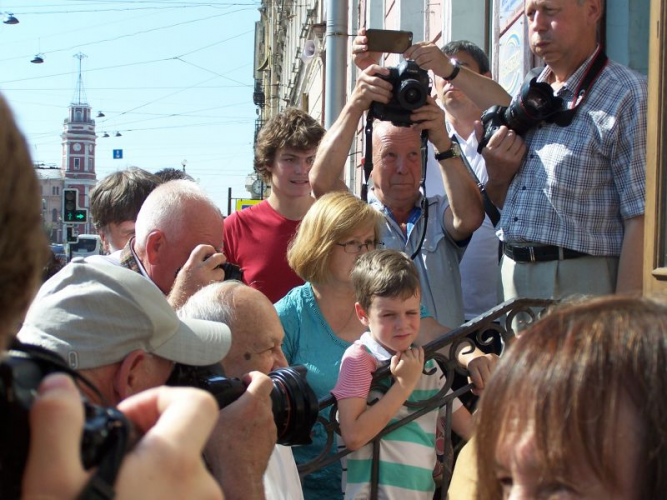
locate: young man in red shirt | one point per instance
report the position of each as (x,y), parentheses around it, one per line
(256,238)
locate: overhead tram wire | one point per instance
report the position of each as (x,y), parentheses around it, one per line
(143,32)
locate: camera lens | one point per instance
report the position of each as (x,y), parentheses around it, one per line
(412,94)
(295,405)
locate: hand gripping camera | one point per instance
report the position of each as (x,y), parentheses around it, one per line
(411,87)
(107,434)
(295,406)
(535,103)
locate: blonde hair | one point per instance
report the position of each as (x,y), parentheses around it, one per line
(23,244)
(331,218)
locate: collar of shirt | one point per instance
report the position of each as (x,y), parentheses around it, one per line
(413,218)
(566,92)
(379,352)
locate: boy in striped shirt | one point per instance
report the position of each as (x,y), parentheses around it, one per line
(388,297)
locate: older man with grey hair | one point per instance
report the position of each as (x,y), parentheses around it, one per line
(257,336)
(178,241)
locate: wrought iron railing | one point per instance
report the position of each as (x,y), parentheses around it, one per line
(498,324)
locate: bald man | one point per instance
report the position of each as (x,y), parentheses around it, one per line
(257,336)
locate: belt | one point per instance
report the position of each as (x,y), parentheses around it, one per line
(541,253)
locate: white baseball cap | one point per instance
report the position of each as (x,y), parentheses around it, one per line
(96,314)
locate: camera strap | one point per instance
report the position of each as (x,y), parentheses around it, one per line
(424,202)
(489,208)
(368,154)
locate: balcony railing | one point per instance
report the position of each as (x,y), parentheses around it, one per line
(495,325)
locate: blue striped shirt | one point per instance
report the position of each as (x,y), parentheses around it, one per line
(579,183)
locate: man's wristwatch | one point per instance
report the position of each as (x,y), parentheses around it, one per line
(454,151)
(456,67)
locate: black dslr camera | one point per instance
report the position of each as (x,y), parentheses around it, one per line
(294,403)
(411,88)
(106,434)
(535,103)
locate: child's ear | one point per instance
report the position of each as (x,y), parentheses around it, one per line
(361,314)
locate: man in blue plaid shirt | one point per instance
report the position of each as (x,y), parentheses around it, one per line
(572,197)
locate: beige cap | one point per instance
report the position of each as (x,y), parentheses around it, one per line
(96,314)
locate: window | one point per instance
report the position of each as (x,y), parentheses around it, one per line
(54,215)
(55,191)
(77,163)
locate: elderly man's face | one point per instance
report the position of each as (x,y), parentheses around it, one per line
(557,29)
(396,165)
(257,335)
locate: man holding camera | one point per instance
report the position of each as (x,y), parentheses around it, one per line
(257,336)
(116,329)
(572,206)
(173,423)
(178,242)
(436,235)
(480,261)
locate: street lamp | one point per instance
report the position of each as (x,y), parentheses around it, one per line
(8,18)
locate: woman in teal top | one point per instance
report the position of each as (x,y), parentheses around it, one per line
(319,317)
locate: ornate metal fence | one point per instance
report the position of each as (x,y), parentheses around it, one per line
(497,324)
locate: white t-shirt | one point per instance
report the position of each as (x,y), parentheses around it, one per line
(281,479)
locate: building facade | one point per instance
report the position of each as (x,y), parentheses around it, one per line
(291,41)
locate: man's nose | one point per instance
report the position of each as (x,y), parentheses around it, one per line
(301,165)
(539,22)
(401,165)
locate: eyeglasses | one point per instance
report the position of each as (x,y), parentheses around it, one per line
(354,246)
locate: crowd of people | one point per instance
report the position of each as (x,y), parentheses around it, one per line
(345,287)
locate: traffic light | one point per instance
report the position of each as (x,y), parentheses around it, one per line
(71,237)
(71,213)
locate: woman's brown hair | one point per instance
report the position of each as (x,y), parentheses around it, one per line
(565,378)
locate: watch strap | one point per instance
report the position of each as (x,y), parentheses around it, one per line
(455,70)
(452,152)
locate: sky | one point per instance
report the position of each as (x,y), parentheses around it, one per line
(173,77)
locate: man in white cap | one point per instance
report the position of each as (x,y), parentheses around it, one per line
(118,330)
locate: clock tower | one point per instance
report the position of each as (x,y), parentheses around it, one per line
(78,153)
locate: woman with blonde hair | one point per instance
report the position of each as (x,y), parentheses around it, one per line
(318,317)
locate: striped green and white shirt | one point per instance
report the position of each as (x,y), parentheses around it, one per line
(408,454)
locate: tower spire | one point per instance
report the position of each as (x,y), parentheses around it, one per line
(79,92)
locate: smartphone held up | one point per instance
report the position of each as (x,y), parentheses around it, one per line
(392,41)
